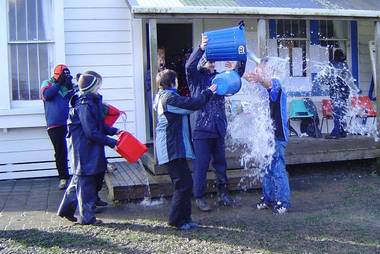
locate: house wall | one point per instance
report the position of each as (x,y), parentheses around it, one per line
(98,36)
(366,31)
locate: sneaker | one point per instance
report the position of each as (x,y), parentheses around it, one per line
(279,208)
(101,203)
(111,168)
(188,226)
(62,184)
(261,205)
(225,199)
(202,204)
(193,224)
(70,218)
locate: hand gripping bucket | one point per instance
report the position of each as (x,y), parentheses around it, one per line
(129,147)
(227,44)
(228,82)
(111,114)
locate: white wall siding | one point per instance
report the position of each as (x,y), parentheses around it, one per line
(366,31)
(98,37)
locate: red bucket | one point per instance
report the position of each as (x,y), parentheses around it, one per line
(129,147)
(111,115)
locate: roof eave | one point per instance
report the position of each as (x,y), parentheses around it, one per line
(158,12)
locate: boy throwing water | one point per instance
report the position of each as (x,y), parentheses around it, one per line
(276,191)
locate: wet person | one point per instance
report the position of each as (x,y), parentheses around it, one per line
(208,126)
(56,93)
(89,135)
(339,93)
(276,191)
(173,142)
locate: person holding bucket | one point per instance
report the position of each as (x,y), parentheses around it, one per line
(56,93)
(173,142)
(209,126)
(89,135)
(276,191)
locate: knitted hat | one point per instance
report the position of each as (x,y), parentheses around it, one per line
(87,82)
(58,70)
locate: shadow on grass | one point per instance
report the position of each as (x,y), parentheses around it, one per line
(57,240)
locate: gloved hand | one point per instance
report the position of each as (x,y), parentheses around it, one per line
(65,79)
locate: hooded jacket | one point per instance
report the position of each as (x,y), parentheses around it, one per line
(89,134)
(210,121)
(172,130)
(56,102)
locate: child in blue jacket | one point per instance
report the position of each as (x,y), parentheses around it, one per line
(174,145)
(89,135)
(276,191)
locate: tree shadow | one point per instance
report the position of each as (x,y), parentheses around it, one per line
(35,238)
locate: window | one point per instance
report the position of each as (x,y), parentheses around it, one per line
(333,34)
(291,42)
(30,46)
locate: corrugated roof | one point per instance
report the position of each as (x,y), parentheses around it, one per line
(331,8)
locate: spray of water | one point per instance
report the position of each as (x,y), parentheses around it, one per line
(355,119)
(250,128)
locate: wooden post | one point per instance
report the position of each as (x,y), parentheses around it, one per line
(261,38)
(153,72)
(377,69)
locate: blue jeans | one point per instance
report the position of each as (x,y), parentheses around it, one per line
(276,182)
(205,149)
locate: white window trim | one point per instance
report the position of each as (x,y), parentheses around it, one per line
(7,106)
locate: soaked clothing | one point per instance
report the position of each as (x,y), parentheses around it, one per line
(277,102)
(339,94)
(276,183)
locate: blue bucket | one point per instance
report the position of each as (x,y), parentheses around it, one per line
(228,82)
(227,44)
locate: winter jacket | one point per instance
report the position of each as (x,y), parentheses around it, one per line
(172,130)
(210,121)
(56,102)
(89,134)
(278,112)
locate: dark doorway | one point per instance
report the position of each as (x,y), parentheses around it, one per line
(176,40)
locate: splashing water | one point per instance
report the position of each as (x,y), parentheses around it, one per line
(355,119)
(148,202)
(250,129)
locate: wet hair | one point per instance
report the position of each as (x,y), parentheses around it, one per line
(166,78)
(339,55)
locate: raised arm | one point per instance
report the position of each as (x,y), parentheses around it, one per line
(192,62)
(49,90)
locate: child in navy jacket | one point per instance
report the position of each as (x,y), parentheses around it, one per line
(174,145)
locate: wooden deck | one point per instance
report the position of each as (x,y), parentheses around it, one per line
(129,181)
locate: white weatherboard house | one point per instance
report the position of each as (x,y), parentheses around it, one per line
(117,38)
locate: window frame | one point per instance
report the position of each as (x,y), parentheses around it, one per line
(58,56)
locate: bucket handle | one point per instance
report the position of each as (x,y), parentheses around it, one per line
(241,24)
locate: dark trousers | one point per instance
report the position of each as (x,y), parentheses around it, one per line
(205,149)
(82,192)
(180,209)
(58,138)
(339,108)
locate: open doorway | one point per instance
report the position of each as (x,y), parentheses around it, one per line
(174,42)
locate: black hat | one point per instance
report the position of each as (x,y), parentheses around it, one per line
(87,82)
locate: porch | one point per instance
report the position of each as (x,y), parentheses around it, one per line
(129,181)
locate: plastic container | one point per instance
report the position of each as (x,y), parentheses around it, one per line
(129,147)
(227,44)
(228,83)
(111,115)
